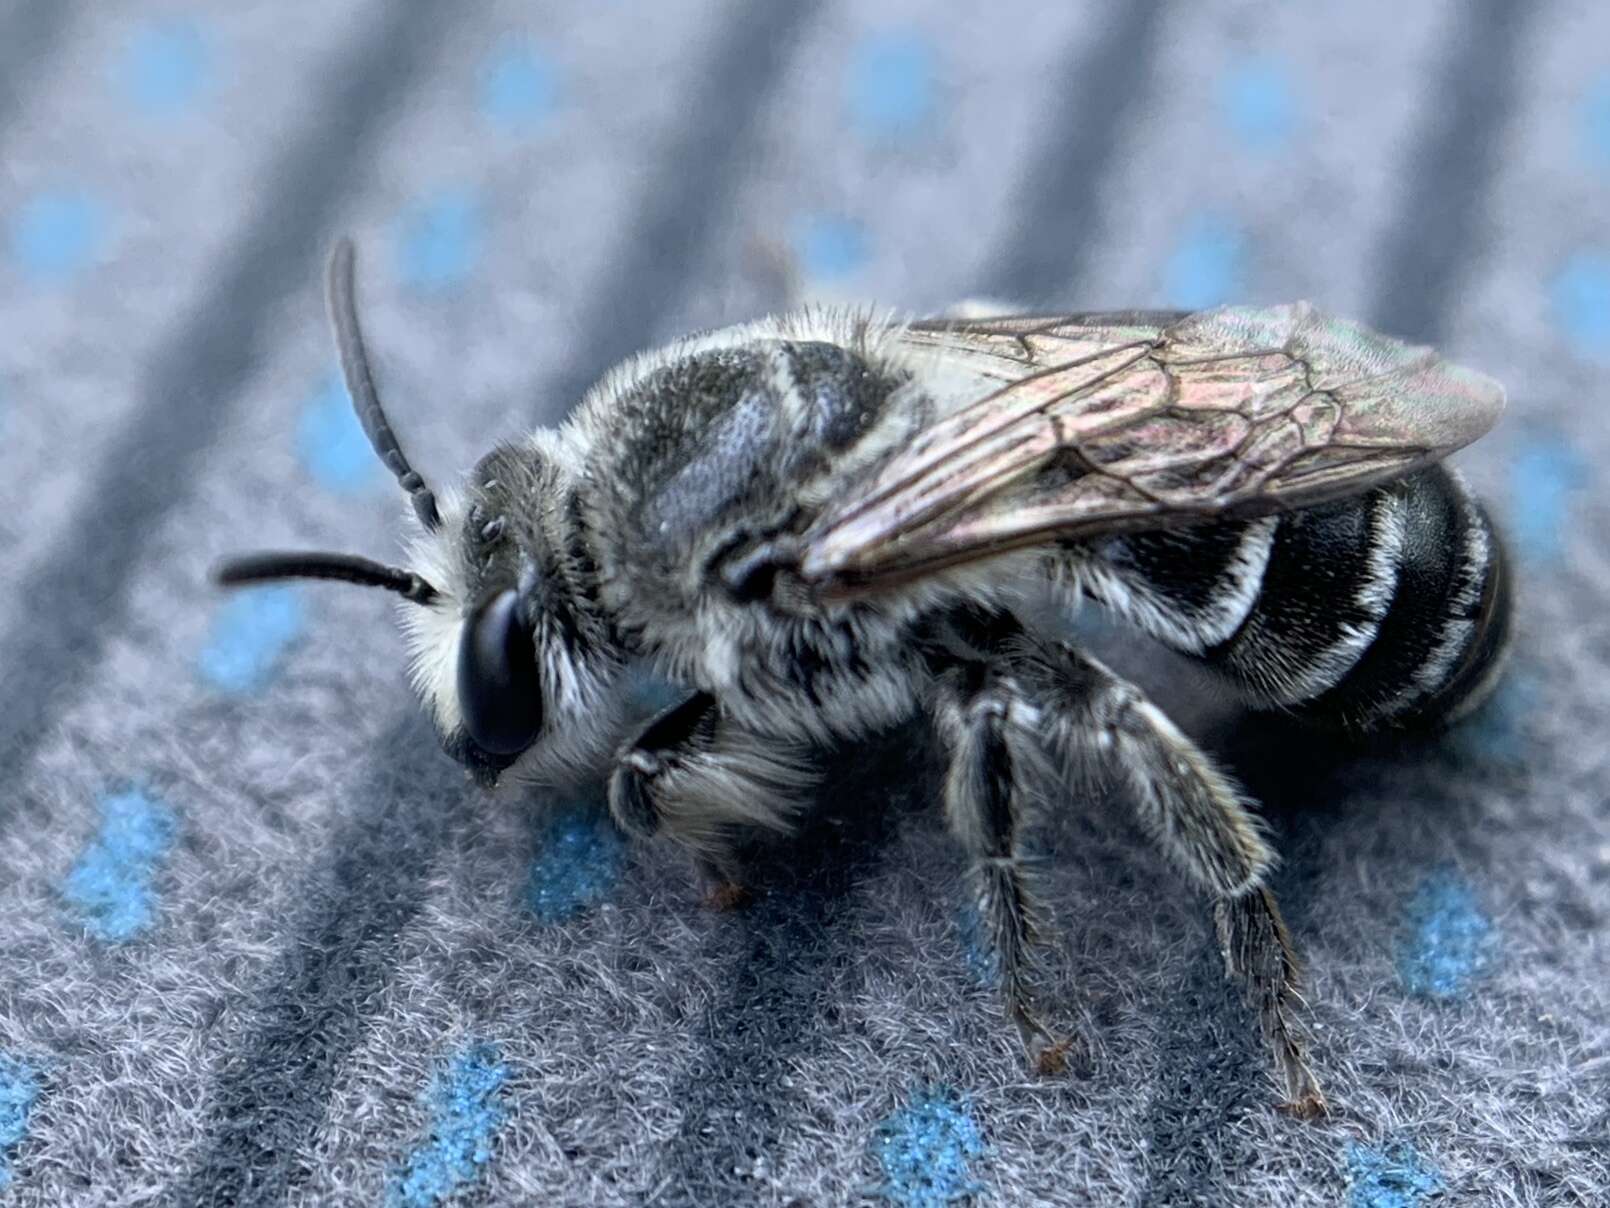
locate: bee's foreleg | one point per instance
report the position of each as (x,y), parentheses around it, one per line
(695,776)
(649,763)
(1203,823)
(986,724)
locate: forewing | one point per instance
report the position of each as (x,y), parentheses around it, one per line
(1073,425)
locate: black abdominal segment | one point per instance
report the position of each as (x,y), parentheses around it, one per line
(1390,608)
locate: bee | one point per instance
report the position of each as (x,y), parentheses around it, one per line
(827,524)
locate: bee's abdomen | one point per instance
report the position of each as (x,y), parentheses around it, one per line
(1385,609)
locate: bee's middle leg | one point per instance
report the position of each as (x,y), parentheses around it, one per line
(695,777)
(987,724)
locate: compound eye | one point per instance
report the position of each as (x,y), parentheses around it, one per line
(498,690)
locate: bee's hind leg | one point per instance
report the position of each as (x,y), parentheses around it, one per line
(1203,823)
(695,777)
(987,726)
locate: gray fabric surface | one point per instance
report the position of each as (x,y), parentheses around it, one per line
(261,944)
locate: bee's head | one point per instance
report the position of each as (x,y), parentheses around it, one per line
(473,644)
(512,653)
(495,648)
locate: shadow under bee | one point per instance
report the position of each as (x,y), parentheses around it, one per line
(794,960)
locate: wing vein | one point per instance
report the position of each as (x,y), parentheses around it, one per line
(1161,420)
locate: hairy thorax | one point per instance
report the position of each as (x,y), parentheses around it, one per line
(716,463)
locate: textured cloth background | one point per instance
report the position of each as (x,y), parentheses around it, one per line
(261,944)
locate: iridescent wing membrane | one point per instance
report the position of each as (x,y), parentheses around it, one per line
(1079,424)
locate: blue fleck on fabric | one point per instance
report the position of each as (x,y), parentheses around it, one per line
(263,944)
(579,859)
(250,633)
(1206,267)
(19,1088)
(1449,937)
(983,962)
(440,239)
(1581,297)
(467,1105)
(1258,99)
(892,85)
(111,886)
(165,66)
(828,247)
(333,448)
(1389,1176)
(925,1150)
(56,235)
(1547,475)
(519,85)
